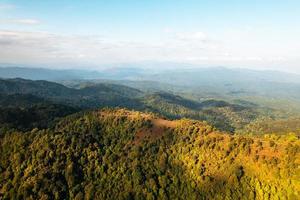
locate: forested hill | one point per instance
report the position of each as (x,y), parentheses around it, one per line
(27,93)
(51,89)
(121,154)
(98,95)
(42,100)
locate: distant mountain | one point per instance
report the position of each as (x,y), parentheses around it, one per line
(46,74)
(98,95)
(27,93)
(201,83)
(227,83)
(122,73)
(39,88)
(175,76)
(35,73)
(221,75)
(168,98)
(212,76)
(220,114)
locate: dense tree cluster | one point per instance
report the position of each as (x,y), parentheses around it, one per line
(282,126)
(120,154)
(222,115)
(36,116)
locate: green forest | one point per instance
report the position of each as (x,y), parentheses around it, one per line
(121,154)
(58,142)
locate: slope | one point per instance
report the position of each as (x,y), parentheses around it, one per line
(99,155)
(99,95)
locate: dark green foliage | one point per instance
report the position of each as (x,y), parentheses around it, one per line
(37,116)
(99,95)
(222,115)
(20,100)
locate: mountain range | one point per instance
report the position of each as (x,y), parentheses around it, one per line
(138,134)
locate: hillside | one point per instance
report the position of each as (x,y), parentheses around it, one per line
(121,154)
(213,81)
(35,73)
(230,116)
(220,114)
(98,95)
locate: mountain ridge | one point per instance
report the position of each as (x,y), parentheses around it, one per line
(145,156)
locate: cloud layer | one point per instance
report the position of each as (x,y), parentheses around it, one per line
(42,46)
(189,47)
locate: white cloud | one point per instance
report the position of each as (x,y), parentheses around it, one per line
(20,21)
(42,47)
(200,36)
(19,46)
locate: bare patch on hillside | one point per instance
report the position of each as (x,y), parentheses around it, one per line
(158,128)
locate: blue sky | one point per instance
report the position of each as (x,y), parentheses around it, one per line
(261,34)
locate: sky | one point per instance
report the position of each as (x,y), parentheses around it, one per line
(256,34)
